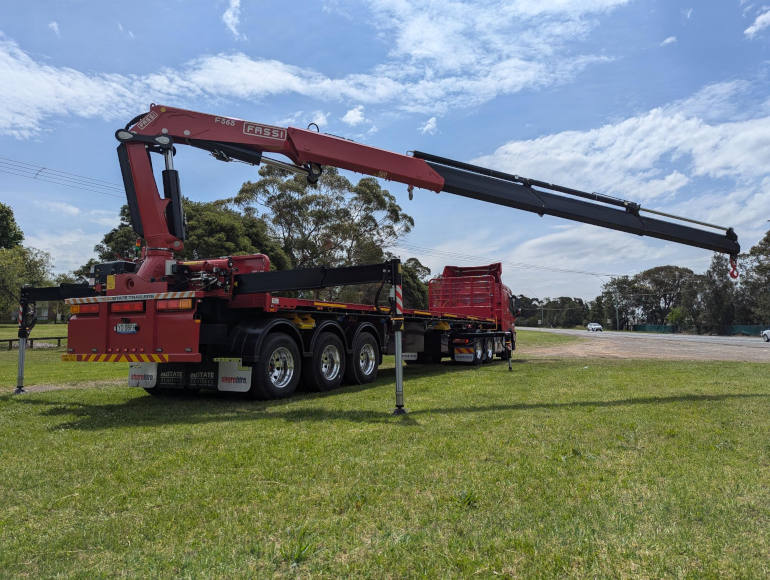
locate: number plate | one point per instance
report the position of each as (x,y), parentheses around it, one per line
(126,328)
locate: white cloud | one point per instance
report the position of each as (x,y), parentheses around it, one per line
(762,21)
(58,207)
(430,127)
(668,158)
(319,118)
(445,55)
(687,13)
(634,156)
(69,248)
(232,18)
(53,25)
(669,40)
(30,92)
(354,116)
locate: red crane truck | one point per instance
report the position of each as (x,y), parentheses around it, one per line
(218,323)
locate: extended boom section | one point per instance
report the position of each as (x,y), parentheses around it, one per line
(521,193)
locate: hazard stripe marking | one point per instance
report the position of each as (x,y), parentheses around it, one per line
(116,357)
(132,297)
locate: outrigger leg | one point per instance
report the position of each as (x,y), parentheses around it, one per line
(27,320)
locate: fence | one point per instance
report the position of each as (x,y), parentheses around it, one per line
(31,341)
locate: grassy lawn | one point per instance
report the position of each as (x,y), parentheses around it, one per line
(12,330)
(567,468)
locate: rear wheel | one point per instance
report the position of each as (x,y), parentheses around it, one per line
(327,367)
(277,372)
(363,362)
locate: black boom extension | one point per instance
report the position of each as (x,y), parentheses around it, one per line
(520,193)
(314,278)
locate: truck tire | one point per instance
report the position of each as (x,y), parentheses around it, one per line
(276,374)
(327,367)
(362,364)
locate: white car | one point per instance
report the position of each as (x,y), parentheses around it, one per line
(766,335)
(594,327)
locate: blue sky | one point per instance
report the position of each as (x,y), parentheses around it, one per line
(662,102)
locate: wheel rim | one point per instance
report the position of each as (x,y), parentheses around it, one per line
(490,349)
(366,359)
(281,368)
(479,349)
(330,362)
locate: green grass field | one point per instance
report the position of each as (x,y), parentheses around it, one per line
(559,468)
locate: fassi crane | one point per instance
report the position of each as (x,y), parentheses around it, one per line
(159,220)
(215,324)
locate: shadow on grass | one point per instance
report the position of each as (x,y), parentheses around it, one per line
(223,407)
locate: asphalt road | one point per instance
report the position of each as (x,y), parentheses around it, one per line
(652,345)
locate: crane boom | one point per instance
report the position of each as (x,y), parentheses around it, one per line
(159,220)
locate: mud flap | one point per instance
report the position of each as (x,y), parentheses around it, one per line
(143,375)
(233,376)
(464,354)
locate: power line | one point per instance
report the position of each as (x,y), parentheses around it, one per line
(58,177)
(516,265)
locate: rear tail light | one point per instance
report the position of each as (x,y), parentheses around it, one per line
(127,307)
(84,309)
(179,304)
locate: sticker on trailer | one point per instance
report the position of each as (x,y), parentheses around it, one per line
(172,376)
(233,376)
(409,356)
(206,379)
(142,375)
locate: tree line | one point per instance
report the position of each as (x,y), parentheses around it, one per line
(334,223)
(710,302)
(338,223)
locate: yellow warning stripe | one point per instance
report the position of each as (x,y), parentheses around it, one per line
(158,358)
(463,350)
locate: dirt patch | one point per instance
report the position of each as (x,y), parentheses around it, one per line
(623,346)
(84,385)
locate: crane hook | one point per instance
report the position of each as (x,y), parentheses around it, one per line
(733,267)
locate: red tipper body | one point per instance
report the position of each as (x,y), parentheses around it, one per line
(476,291)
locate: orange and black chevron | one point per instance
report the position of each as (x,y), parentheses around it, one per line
(159,358)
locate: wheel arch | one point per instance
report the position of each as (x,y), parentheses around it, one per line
(328,326)
(247,337)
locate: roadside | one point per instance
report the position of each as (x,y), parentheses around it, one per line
(627,345)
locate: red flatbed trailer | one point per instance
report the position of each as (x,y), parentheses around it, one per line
(195,339)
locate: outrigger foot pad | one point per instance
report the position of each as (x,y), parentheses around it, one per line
(19,391)
(399,411)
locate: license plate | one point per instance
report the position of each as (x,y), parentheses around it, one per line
(126,328)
